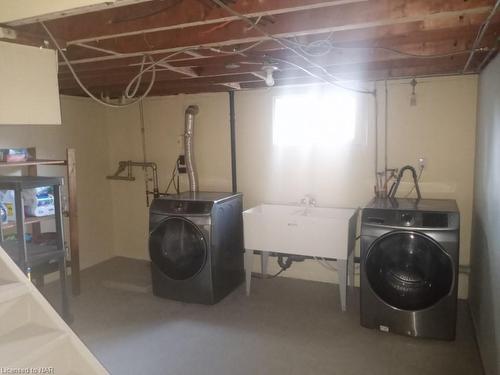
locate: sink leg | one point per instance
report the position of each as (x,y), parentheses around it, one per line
(248,269)
(264,260)
(342,275)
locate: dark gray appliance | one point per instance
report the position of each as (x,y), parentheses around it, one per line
(409,266)
(196,246)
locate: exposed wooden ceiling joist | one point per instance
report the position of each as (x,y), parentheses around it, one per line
(367,39)
(409,38)
(47,10)
(349,17)
(172,15)
(406,67)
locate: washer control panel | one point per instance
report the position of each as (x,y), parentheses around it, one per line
(411,219)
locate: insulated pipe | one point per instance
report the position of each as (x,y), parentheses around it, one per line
(191,111)
(394,188)
(232,122)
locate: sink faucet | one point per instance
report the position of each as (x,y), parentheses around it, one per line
(308,201)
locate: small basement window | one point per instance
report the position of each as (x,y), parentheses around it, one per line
(314,119)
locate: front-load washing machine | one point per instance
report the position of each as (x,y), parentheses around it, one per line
(409,266)
(196,246)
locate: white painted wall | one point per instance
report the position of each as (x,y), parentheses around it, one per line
(485,277)
(440,128)
(164,119)
(29,91)
(83,128)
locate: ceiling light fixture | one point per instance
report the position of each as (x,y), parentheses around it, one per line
(413,96)
(269,69)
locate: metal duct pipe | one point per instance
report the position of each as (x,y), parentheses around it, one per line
(191,111)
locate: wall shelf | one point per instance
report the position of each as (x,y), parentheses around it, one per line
(27,163)
(72,214)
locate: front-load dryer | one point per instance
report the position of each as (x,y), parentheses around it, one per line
(196,246)
(409,266)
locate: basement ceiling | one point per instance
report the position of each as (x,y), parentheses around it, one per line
(224,45)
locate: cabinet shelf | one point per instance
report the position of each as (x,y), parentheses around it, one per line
(28,220)
(27,163)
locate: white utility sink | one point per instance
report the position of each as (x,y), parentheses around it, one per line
(313,231)
(321,232)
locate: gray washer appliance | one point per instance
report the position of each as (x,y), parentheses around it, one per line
(196,246)
(409,266)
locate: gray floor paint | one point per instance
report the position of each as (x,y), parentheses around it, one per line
(286,326)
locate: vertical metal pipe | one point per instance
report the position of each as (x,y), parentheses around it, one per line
(21,238)
(191,111)
(376,104)
(144,155)
(232,124)
(386,121)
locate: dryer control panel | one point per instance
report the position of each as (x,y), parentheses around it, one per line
(181,207)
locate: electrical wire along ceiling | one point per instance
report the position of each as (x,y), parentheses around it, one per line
(164,47)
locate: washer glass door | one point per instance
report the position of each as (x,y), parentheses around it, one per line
(178,248)
(409,270)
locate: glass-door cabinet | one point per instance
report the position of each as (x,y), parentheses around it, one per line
(27,200)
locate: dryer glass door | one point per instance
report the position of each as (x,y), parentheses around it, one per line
(178,248)
(409,270)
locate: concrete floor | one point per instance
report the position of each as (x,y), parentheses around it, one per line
(286,326)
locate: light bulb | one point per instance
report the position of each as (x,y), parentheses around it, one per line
(269,69)
(269,78)
(413,99)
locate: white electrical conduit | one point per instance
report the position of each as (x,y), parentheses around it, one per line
(82,86)
(130,93)
(286,44)
(480,34)
(321,78)
(134,91)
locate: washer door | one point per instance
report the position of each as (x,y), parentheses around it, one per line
(409,270)
(178,248)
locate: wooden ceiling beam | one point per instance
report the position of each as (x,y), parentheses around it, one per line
(365,37)
(162,92)
(336,62)
(378,72)
(8,34)
(389,35)
(171,15)
(381,35)
(112,4)
(352,71)
(344,17)
(428,43)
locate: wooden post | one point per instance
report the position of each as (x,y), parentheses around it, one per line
(33,171)
(36,230)
(73,222)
